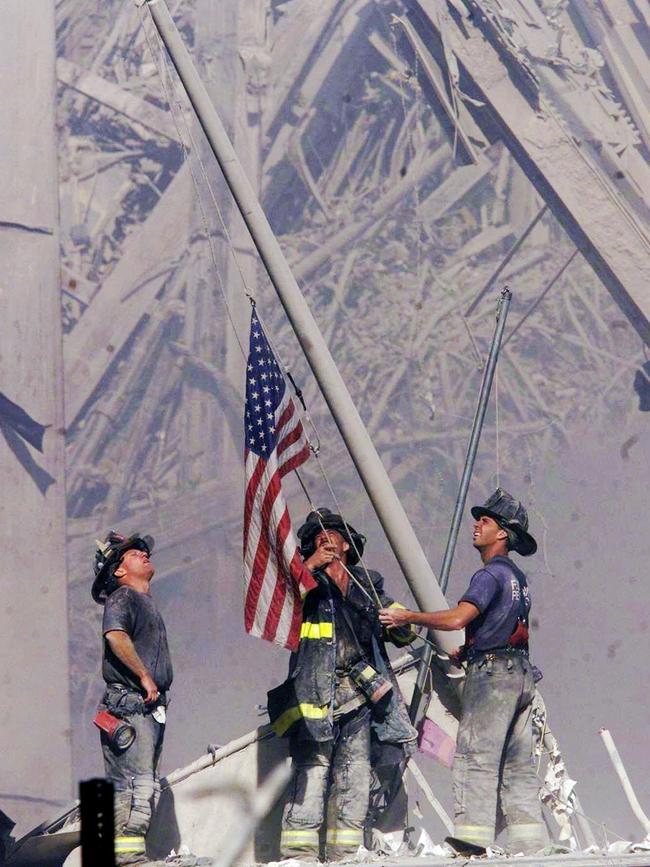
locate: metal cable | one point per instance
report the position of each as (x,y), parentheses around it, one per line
(186,153)
(195,183)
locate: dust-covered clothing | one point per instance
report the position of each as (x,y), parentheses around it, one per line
(134,771)
(500,592)
(303,706)
(344,764)
(493,768)
(135,613)
(331,743)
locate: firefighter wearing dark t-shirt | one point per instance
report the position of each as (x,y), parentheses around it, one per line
(493,768)
(138,672)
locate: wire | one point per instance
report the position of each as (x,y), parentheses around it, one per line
(186,154)
(171,99)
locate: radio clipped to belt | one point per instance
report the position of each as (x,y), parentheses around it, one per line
(371,683)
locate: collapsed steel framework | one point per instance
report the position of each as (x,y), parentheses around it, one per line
(409,155)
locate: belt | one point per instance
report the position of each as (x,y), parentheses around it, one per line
(130,690)
(496,653)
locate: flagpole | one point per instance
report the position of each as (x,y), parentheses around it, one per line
(390,512)
(461,499)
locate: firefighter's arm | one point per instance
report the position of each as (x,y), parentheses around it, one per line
(447,621)
(122,646)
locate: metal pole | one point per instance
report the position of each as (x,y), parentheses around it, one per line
(619,767)
(511,252)
(475,436)
(391,514)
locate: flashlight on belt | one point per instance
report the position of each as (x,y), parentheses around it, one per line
(121,734)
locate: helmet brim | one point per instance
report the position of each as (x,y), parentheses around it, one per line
(310,529)
(140,543)
(525,543)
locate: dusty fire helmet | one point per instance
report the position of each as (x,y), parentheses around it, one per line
(511,515)
(324,518)
(107,557)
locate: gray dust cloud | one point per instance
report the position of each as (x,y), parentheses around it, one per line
(403,201)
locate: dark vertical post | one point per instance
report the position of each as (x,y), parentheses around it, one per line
(97,823)
(472,448)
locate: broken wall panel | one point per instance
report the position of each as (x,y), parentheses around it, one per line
(35,732)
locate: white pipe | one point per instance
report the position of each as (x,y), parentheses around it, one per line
(391,514)
(610,746)
(210,759)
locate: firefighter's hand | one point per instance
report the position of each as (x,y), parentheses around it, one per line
(393,617)
(151,691)
(455,656)
(322,556)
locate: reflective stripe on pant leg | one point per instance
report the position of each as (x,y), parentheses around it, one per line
(129,844)
(346,837)
(299,838)
(480,835)
(520,787)
(347,806)
(528,837)
(305,806)
(490,701)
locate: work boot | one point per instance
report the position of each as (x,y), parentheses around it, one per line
(464,848)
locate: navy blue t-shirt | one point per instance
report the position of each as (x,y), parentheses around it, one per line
(496,590)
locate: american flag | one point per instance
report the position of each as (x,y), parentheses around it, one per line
(275,577)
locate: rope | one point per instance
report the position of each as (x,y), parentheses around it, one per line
(305,414)
(206,180)
(186,156)
(376,601)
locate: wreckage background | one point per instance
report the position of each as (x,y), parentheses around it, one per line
(332,115)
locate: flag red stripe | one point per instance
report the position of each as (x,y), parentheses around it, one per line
(262,553)
(294,462)
(290,439)
(274,572)
(280,589)
(251,490)
(284,418)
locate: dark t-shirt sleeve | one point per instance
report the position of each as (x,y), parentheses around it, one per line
(119,612)
(482,590)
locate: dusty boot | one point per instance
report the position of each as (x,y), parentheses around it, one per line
(464,848)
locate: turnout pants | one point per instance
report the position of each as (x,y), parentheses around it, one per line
(134,774)
(329,792)
(493,769)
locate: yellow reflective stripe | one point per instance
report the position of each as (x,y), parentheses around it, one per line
(295,837)
(130,845)
(368,672)
(396,605)
(526,831)
(316,630)
(300,711)
(481,835)
(345,836)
